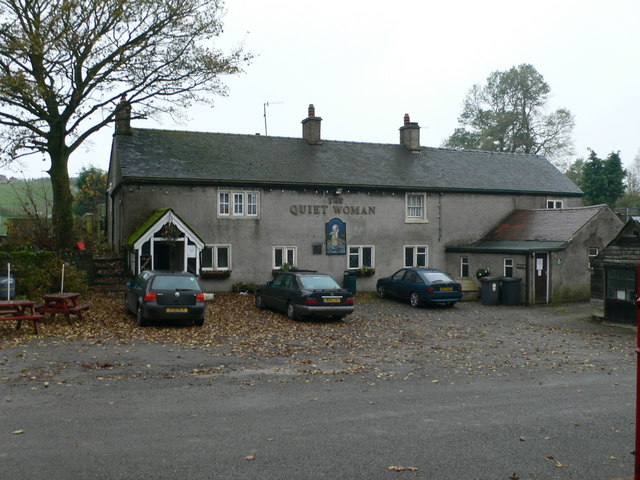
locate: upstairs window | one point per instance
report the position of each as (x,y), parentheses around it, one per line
(415,208)
(555,204)
(238,204)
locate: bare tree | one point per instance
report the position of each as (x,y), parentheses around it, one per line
(65,63)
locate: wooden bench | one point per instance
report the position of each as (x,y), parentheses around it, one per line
(62,304)
(19,311)
(20,318)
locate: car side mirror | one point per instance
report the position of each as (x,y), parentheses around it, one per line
(269,283)
(127,283)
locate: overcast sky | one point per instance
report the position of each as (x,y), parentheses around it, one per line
(364,64)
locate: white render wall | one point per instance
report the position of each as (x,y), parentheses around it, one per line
(297,218)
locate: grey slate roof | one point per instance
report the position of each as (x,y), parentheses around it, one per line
(164,155)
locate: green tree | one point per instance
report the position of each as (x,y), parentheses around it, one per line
(509,114)
(575,172)
(631,197)
(603,180)
(92,187)
(65,63)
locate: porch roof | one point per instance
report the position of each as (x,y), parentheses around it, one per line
(508,246)
(160,215)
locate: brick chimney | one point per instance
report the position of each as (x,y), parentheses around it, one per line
(123,117)
(311,127)
(410,134)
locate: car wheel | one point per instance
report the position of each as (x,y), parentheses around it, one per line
(142,322)
(199,322)
(259,302)
(414,299)
(450,304)
(291,311)
(381,292)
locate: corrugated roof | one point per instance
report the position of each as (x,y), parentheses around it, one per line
(164,155)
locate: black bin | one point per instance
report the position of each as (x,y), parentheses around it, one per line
(489,290)
(510,291)
(349,281)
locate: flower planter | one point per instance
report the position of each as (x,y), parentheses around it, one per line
(216,275)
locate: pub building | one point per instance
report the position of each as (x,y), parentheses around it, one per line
(238,208)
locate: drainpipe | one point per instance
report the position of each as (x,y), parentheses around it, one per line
(440,217)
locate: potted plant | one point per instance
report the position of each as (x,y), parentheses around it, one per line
(482,272)
(215,274)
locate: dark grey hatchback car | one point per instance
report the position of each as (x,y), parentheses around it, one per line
(161,295)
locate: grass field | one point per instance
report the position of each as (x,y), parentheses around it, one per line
(13,194)
(18,194)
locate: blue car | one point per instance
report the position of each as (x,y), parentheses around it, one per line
(420,286)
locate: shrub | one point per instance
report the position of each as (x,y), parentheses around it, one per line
(244,287)
(40,272)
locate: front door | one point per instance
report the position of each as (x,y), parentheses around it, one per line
(541,283)
(168,255)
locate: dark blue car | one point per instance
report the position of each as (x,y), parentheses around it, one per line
(420,286)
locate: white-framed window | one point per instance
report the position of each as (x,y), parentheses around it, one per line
(238,204)
(361,256)
(508,267)
(554,203)
(285,255)
(252,204)
(416,256)
(415,208)
(223,204)
(593,252)
(464,266)
(216,257)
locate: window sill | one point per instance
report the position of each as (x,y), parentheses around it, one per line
(416,220)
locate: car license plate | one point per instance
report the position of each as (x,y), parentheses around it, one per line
(177,310)
(446,289)
(332,299)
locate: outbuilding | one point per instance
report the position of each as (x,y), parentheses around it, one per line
(548,249)
(614,278)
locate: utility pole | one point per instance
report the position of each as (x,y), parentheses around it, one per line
(264,109)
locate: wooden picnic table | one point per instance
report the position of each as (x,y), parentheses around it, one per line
(62,304)
(20,310)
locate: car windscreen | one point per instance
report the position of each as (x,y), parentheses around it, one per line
(319,282)
(175,282)
(436,277)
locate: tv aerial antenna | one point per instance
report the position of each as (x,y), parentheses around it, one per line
(264,109)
